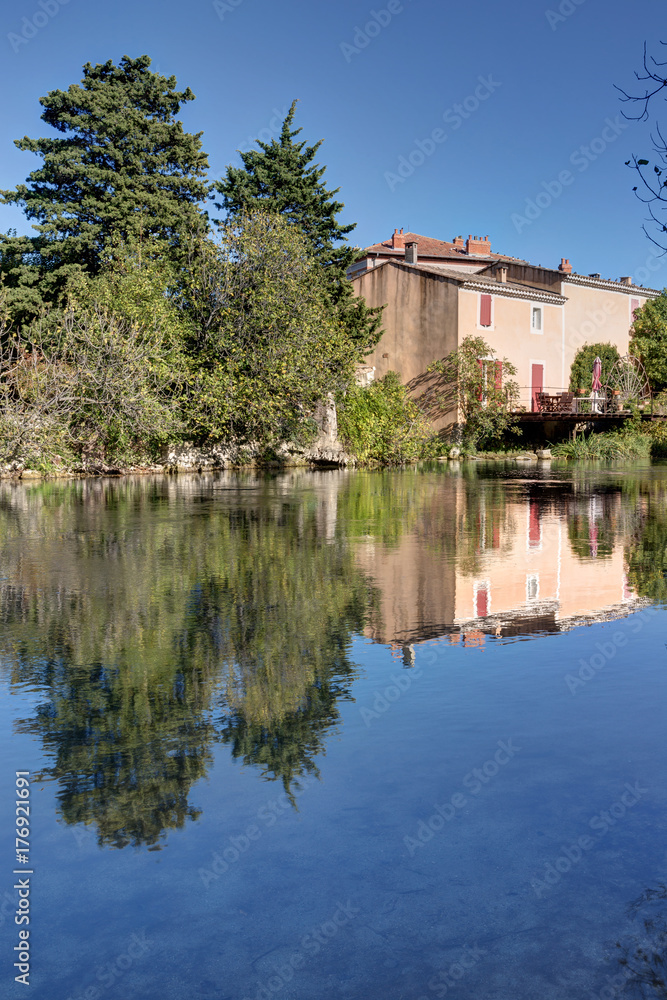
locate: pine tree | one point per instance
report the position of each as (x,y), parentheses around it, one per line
(281,176)
(122,164)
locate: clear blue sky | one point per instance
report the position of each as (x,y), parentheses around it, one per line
(551,77)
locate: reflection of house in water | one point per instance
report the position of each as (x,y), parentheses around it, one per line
(528,565)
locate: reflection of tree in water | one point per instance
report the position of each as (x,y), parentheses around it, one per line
(642,956)
(136,628)
(592,524)
(646,554)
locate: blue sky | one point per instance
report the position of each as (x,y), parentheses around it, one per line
(534,84)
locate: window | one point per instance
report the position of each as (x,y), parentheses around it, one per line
(536,322)
(485,310)
(532,586)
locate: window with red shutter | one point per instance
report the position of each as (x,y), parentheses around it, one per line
(485,310)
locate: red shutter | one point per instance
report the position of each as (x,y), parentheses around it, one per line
(485,310)
(482,602)
(480,389)
(534,524)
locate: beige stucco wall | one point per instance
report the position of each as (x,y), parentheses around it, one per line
(597,315)
(420,319)
(510,335)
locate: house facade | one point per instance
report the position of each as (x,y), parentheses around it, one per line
(437,293)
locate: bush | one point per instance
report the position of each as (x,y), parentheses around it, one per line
(581,372)
(381,423)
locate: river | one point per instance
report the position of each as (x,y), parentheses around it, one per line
(394,735)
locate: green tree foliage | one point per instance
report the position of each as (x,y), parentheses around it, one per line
(86,385)
(581,372)
(649,340)
(265,345)
(480,387)
(122,163)
(281,177)
(382,423)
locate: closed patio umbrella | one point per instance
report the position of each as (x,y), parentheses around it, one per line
(597,385)
(597,371)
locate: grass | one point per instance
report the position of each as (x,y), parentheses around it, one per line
(608,446)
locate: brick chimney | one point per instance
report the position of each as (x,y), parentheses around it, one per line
(479,245)
(565,267)
(398,240)
(458,241)
(411,252)
(501,274)
(625,281)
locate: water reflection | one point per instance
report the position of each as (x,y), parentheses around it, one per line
(642,954)
(158,617)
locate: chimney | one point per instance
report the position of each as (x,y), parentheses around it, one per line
(411,252)
(501,274)
(398,240)
(479,245)
(459,241)
(565,266)
(625,281)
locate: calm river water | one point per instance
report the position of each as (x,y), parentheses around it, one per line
(393,735)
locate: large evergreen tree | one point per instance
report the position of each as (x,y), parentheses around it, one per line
(281,176)
(122,164)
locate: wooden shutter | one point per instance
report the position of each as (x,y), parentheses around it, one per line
(485,310)
(534,524)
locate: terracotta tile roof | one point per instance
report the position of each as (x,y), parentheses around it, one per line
(429,247)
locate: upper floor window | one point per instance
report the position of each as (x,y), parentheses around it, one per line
(536,321)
